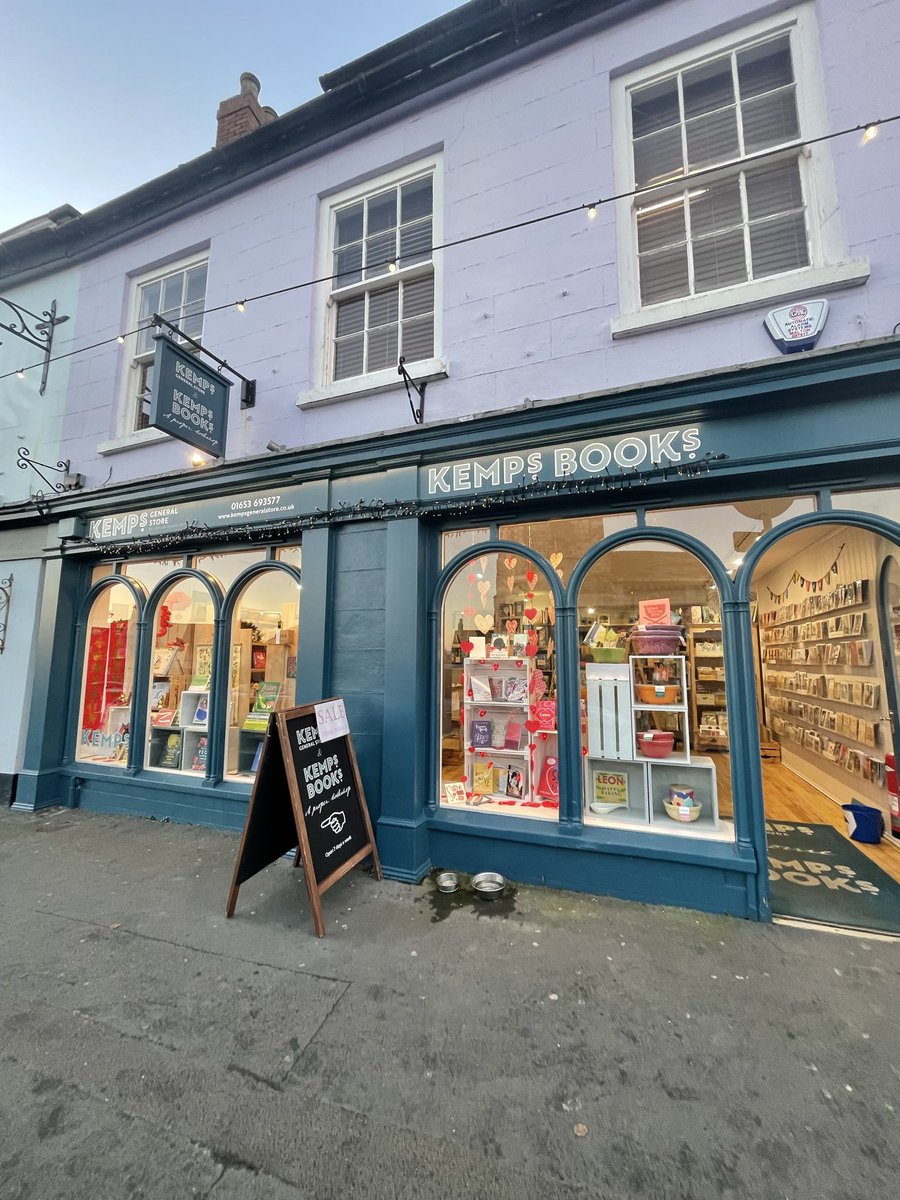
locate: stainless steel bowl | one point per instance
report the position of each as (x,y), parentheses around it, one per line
(488,885)
(446,881)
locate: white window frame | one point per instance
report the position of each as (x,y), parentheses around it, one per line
(126,436)
(325,387)
(829,263)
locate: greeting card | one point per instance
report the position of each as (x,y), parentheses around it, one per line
(515,785)
(480,733)
(455,793)
(513,738)
(515,689)
(483,778)
(481,689)
(548,784)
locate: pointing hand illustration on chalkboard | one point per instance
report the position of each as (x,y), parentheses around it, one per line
(335,822)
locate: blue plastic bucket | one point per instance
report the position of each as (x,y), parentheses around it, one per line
(864,823)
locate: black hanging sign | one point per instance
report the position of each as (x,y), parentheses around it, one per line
(188,399)
(307,796)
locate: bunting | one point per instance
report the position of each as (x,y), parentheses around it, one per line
(811,585)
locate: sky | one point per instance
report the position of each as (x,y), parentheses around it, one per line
(103,95)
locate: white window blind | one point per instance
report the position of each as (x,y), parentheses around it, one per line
(383,279)
(180,297)
(742,222)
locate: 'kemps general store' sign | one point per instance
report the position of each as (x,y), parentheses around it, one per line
(575,460)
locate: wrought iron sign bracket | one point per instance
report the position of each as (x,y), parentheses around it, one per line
(248,386)
(70,483)
(418,388)
(5,597)
(36,331)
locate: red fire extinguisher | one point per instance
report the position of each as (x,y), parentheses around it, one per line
(890,761)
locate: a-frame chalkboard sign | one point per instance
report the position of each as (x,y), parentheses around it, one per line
(307,795)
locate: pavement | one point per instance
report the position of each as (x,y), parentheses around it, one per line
(549,1046)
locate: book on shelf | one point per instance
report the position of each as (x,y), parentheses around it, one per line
(513,738)
(198,763)
(515,783)
(201,713)
(258,658)
(256,722)
(501,780)
(482,778)
(198,683)
(481,689)
(611,788)
(164,659)
(164,716)
(515,689)
(266,697)
(480,733)
(159,694)
(171,752)
(548,784)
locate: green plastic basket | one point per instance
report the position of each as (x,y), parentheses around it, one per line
(617,654)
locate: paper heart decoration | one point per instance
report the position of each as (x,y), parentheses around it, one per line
(471,577)
(531,649)
(512,626)
(483,562)
(532,746)
(543,737)
(470,749)
(531,726)
(584,751)
(495,666)
(530,613)
(518,662)
(510,561)
(469,611)
(482,753)
(510,582)
(470,693)
(467,647)
(484,588)
(559,572)
(530,595)
(555,559)
(482,712)
(551,614)
(484,623)
(531,577)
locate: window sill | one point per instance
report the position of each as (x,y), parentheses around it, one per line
(141,437)
(796,285)
(369,385)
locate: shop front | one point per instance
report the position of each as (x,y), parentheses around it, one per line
(561,638)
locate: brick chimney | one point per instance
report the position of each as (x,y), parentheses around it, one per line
(243,113)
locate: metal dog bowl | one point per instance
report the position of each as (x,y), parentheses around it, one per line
(446,881)
(488,885)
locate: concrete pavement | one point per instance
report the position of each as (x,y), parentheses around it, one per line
(553,1046)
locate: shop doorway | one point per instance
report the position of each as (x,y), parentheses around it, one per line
(828,620)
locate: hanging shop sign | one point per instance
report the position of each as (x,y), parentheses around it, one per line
(308,797)
(612,456)
(188,399)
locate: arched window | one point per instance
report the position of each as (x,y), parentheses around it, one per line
(655,731)
(262,664)
(181,677)
(498,688)
(108,677)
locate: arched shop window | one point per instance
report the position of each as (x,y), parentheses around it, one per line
(498,688)
(226,567)
(262,664)
(181,676)
(150,571)
(655,720)
(108,678)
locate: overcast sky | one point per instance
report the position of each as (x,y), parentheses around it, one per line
(102,95)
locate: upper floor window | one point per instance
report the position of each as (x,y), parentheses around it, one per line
(383,278)
(748,221)
(379,292)
(730,210)
(178,294)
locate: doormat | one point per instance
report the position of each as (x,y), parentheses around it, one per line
(817,875)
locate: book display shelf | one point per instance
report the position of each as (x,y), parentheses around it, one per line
(709,718)
(509,742)
(639,771)
(823,686)
(261,683)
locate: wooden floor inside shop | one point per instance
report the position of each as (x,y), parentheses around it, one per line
(790,798)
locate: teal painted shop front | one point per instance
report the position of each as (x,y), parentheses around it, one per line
(357,583)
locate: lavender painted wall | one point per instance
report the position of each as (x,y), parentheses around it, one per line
(526,314)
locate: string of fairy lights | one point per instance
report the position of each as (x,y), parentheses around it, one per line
(868,130)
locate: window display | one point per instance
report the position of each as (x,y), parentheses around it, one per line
(498,681)
(263,665)
(108,677)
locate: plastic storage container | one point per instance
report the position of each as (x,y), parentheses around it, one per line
(864,823)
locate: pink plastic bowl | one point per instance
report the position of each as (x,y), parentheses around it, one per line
(656,745)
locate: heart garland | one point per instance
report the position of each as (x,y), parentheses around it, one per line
(483,623)
(484,589)
(555,559)
(510,561)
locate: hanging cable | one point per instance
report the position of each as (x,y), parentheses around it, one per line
(590,207)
